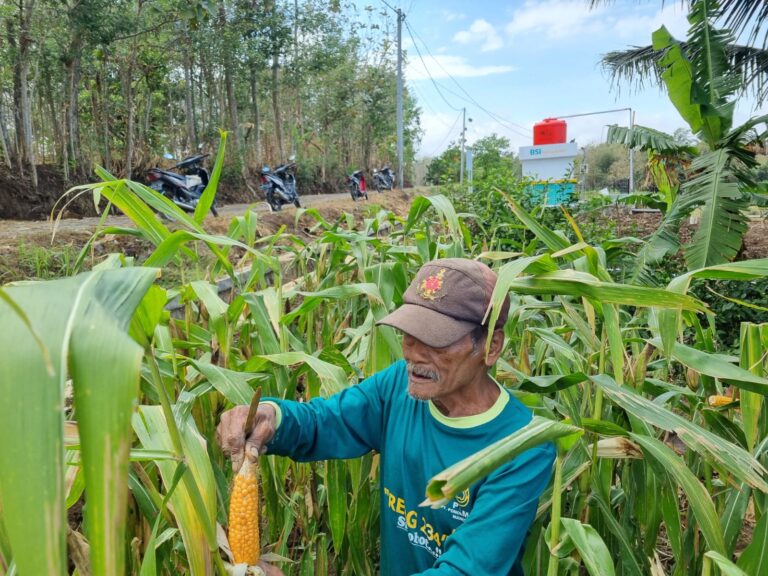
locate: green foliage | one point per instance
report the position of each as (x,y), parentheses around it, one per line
(282,77)
(492,157)
(585,351)
(717,182)
(38,262)
(445,168)
(733,303)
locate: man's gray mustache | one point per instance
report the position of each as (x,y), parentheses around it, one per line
(417,370)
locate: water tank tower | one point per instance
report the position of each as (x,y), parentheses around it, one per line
(549,162)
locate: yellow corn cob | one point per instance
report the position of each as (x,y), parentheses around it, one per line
(718,401)
(244,515)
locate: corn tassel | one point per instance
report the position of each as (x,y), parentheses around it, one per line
(244,514)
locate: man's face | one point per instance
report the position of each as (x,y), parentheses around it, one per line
(435,373)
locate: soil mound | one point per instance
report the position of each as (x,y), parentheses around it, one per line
(19,200)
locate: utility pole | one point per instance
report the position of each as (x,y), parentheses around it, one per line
(631,155)
(400,18)
(463,139)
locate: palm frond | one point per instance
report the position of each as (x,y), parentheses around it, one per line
(740,16)
(637,67)
(746,16)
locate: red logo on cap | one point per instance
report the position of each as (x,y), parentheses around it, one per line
(430,287)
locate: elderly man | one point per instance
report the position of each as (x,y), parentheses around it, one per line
(423,414)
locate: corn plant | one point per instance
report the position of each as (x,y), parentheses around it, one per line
(653,474)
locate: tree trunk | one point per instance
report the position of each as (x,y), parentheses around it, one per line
(229,79)
(25,99)
(172,124)
(189,105)
(18,142)
(72,68)
(105,133)
(4,140)
(129,94)
(147,115)
(54,119)
(276,105)
(130,114)
(256,115)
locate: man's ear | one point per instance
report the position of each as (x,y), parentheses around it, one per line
(497,343)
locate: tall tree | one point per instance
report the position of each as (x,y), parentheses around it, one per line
(20,39)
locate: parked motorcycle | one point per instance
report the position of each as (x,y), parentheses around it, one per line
(279,186)
(356,183)
(183,189)
(384,179)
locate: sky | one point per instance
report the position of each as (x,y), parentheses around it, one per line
(512,64)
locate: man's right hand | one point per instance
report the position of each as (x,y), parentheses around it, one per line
(236,442)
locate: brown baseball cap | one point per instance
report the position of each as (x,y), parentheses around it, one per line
(446,301)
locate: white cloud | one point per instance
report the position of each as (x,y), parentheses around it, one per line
(553,19)
(556,19)
(481,31)
(637,28)
(443,65)
(451,16)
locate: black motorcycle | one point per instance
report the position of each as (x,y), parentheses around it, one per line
(279,186)
(357,187)
(384,179)
(183,189)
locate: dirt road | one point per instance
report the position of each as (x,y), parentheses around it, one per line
(15,230)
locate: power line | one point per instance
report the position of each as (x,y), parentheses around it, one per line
(408,27)
(426,102)
(388,6)
(448,134)
(502,121)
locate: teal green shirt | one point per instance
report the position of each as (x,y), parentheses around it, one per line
(481,531)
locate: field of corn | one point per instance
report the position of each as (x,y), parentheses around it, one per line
(109,404)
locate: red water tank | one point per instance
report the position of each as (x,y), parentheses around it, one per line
(549,131)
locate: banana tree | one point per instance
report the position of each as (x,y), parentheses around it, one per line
(702,87)
(746,18)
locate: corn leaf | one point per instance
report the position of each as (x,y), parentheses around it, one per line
(314,299)
(669,320)
(333,378)
(152,430)
(444,208)
(630,564)
(727,568)
(716,366)
(593,551)
(104,404)
(552,241)
(94,308)
(731,457)
(754,559)
(336,484)
(209,194)
(445,485)
(234,386)
(752,358)
(572,283)
(699,500)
